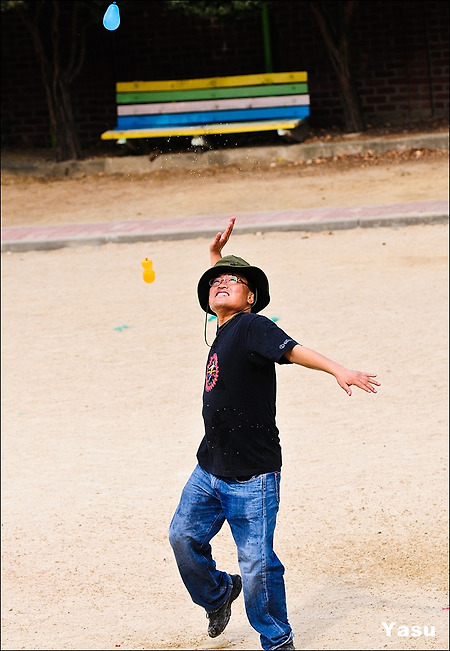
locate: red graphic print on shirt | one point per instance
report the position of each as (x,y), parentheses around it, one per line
(212,372)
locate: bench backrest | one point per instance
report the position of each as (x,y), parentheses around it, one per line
(240,98)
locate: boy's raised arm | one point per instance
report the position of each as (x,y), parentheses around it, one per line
(216,246)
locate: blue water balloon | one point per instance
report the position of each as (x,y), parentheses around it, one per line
(111,19)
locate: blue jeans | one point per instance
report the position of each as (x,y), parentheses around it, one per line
(250,508)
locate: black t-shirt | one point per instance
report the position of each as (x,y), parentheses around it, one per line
(239,398)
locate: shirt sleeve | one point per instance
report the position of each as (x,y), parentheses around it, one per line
(268,341)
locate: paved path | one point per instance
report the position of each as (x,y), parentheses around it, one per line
(27,238)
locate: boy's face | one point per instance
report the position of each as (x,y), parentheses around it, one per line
(229,294)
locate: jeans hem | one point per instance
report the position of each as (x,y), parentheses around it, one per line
(290,639)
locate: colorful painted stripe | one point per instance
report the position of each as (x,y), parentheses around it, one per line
(200,130)
(213,105)
(211,117)
(211,93)
(212,82)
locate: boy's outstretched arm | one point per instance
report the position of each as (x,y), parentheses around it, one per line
(216,246)
(345,377)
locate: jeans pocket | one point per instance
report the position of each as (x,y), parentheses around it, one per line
(245,480)
(277,480)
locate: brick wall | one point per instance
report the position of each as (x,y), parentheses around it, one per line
(399,54)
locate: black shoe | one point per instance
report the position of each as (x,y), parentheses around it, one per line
(220,618)
(287,645)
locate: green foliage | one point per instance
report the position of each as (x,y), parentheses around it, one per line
(98,6)
(11,4)
(216,9)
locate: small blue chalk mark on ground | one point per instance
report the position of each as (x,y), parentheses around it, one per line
(122,327)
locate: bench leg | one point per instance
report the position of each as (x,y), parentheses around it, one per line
(298,134)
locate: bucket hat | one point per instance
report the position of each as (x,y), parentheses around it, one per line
(256,278)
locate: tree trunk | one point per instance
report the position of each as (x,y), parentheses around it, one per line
(353,118)
(57,82)
(63,124)
(334,21)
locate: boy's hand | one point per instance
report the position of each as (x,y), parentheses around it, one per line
(216,246)
(364,381)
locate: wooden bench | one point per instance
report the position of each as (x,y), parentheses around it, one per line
(219,105)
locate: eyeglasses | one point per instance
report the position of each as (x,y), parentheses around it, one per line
(226,280)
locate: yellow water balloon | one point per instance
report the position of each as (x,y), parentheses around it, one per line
(149,274)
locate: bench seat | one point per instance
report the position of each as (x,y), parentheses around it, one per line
(206,106)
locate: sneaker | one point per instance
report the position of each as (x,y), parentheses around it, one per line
(287,645)
(220,618)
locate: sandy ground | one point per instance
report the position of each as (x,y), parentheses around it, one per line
(357,180)
(101,415)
